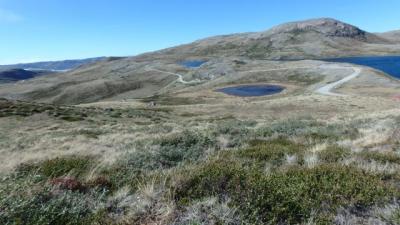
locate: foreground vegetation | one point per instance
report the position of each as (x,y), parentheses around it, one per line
(220,171)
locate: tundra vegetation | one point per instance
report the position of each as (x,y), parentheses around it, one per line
(199,171)
(133,141)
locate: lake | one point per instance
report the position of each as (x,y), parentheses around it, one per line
(387,64)
(192,63)
(252,90)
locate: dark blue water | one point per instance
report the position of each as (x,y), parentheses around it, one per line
(387,64)
(252,90)
(18,74)
(192,63)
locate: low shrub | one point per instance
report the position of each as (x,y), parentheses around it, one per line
(41,193)
(209,211)
(171,151)
(308,129)
(234,127)
(187,146)
(90,133)
(273,151)
(67,183)
(57,167)
(237,131)
(72,118)
(166,152)
(333,154)
(288,197)
(382,157)
(47,208)
(286,127)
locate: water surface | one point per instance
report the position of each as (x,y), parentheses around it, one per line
(252,90)
(192,63)
(387,64)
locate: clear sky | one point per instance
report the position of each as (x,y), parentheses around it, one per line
(35,30)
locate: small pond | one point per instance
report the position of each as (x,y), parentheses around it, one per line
(192,63)
(252,90)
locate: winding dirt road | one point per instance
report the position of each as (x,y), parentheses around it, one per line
(180,77)
(327,89)
(324,90)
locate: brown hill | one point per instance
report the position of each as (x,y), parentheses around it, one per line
(134,77)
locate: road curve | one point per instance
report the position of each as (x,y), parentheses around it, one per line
(180,77)
(324,90)
(327,89)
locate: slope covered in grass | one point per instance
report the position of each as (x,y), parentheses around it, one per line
(216,171)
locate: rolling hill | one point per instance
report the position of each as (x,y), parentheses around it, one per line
(309,39)
(391,35)
(53,65)
(153,139)
(143,75)
(13,75)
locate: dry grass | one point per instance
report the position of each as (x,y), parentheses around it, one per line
(140,158)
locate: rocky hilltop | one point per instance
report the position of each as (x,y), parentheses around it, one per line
(309,39)
(327,27)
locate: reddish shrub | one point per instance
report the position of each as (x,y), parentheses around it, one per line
(100,181)
(396,97)
(67,183)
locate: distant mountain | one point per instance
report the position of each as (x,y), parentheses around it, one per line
(13,75)
(309,39)
(391,35)
(53,65)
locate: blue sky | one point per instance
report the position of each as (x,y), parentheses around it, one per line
(36,30)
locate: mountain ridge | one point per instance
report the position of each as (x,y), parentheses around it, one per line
(307,39)
(13,75)
(56,65)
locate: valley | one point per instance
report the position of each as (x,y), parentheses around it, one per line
(252,128)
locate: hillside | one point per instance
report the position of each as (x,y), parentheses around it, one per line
(135,77)
(53,65)
(13,75)
(310,39)
(391,35)
(152,139)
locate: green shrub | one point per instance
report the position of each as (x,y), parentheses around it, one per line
(395,217)
(273,151)
(237,131)
(31,195)
(169,152)
(122,174)
(234,127)
(216,178)
(89,133)
(72,118)
(382,157)
(70,165)
(310,129)
(288,197)
(187,146)
(47,208)
(334,154)
(286,127)
(332,132)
